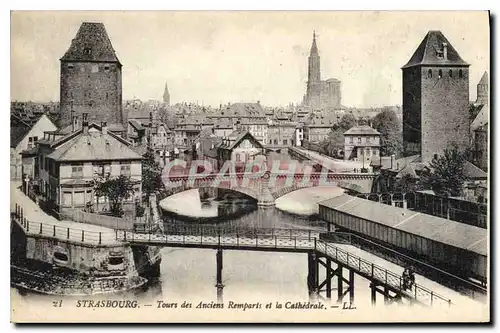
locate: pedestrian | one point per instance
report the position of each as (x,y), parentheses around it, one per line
(406,278)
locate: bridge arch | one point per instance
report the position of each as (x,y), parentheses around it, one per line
(252,193)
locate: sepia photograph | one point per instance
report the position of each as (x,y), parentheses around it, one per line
(250,166)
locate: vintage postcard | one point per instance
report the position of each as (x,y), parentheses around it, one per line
(252,167)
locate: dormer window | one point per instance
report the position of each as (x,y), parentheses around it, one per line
(106,68)
(440,54)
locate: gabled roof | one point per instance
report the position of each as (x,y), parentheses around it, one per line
(94,146)
(427,52)
(91,44)
(361,130)
(238,136)
(484,79)
(474,172)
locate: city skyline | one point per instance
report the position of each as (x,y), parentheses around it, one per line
(220,57)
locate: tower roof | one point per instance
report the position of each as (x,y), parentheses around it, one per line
(314,47)
(91,44)
(435,49)
(484,79)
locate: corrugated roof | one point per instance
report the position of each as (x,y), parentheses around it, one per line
(362,130)
(91,44)
(428,226)
(428,50)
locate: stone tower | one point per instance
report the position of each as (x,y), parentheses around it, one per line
(313,92)
(166,95)
(435,98)
(483,90)
(91,79)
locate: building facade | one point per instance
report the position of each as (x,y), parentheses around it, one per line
(69,164)
(362,143)
(91,80)
(435,98)
(24,138)
(320,94)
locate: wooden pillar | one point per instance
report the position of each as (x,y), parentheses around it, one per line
(351,286)
(328,278)
(312,276)
(219,284)
(373,288)
(340,288)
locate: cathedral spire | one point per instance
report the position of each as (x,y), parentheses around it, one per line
(314,48)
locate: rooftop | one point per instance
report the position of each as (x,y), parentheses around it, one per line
(432,227)
(362,130)
(431,52)
(91,44)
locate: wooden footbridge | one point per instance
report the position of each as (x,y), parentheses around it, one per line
(340,266)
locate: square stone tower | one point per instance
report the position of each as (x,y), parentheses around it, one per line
(91,79)
(435,98)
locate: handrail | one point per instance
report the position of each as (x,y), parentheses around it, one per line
(366,267)
(262,240)
(419,262)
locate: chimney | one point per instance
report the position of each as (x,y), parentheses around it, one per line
(393,161)
(104,128)
(445,51)
(85,124)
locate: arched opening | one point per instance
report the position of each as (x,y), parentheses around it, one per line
(440,74)
(460,74)
(429,74)
(451,73)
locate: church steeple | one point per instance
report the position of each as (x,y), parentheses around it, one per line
(314,65)
(314,47)
(166,95)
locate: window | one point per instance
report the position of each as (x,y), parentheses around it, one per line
(440,74)
(30,142)
(429,74)
(285,142)
(125,169)
(77,171)
(375,152)
(87,51)
(359,139)
(367,139)
(351,139)
(460,74)
(95,68)
(106,68)
(451,73)
(67,199)
(70,66)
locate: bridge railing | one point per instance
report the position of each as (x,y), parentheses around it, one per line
(207,230)
(419,293)
(60,232)
(303,241)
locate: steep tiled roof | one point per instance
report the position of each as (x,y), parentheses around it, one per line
(484,79)
(91,44)
(427,52)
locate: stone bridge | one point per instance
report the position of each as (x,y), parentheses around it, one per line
(266,188)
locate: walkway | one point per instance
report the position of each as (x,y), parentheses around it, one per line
(36,222)
(282,240)
(330,162)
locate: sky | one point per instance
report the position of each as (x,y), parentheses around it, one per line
(220,57)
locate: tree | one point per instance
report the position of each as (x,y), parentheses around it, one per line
(446,174)
(389,126)
(151,174)
(407,183)
(116,190)
(334,142)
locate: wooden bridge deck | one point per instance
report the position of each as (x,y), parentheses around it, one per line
(301,242)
